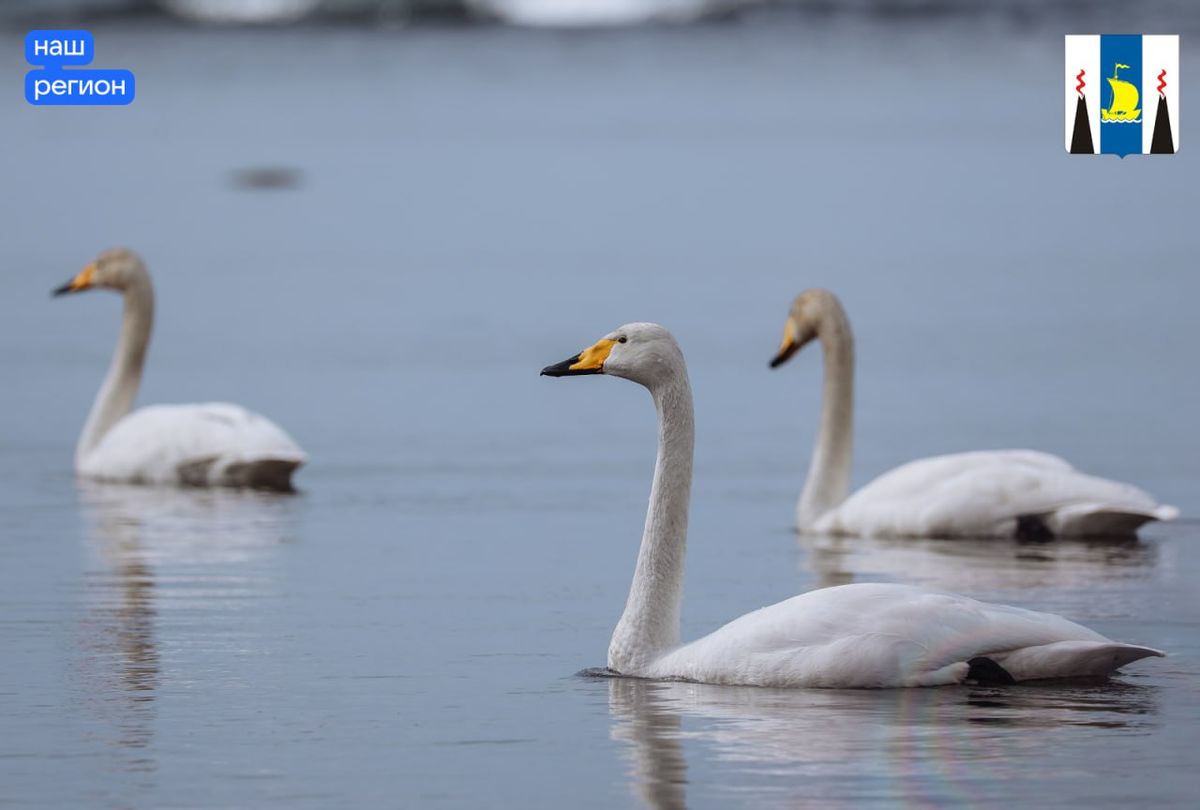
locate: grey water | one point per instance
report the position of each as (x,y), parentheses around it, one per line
(448,210)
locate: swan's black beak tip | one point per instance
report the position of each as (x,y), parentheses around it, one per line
(85,279)
(565,369)
(559,369)
(785,352)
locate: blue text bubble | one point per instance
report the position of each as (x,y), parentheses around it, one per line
(57,48)
(79,87)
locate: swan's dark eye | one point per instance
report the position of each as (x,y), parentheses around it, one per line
(622,339)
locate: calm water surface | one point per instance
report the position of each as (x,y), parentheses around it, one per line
(464,207)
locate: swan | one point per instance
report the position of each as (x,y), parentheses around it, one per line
(857,635)
(208,444)
(596,13)
(989,493)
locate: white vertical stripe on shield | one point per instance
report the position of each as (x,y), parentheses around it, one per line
(1159,53)
(1082,53)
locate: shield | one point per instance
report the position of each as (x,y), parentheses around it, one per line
(1122,94)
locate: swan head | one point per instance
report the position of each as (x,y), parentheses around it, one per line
(810,312)
(115,269)
(643,352)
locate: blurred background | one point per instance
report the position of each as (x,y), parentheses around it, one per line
(375,222)
(602,12)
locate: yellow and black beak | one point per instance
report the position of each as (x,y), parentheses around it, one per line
(589,361)
(790,344)
(82,281)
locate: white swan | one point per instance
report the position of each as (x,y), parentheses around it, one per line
(209,444)
(860,635)
(988,493)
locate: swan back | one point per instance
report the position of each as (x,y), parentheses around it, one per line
(988,493)
(886,635)
(206,444)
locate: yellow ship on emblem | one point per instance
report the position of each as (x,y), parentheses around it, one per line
(1124,105)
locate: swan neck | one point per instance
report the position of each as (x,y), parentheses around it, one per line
(120,387)
(828,482)
(649,627)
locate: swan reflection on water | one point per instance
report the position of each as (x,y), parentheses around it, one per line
(830,748)
(153,552)
(978,567)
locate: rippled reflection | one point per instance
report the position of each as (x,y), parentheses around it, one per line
(642,718)
(155,551)
(831,748)
(978,566)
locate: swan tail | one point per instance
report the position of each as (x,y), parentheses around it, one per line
(1166,512)
(274,474)
(271,473)
(1098,520)
(1070,659)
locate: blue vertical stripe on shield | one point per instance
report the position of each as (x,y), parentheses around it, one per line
(1120,97)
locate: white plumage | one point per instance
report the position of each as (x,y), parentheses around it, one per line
(882,635)
(986,493)
(860,635)
(206,444)
(210,444)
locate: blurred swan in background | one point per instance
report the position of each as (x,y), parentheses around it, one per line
(599,13)
(857,635)
(209,444)
(987,493)
(242,11)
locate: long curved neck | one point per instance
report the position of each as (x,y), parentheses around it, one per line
(649,627)
(828,481)
(120,386)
